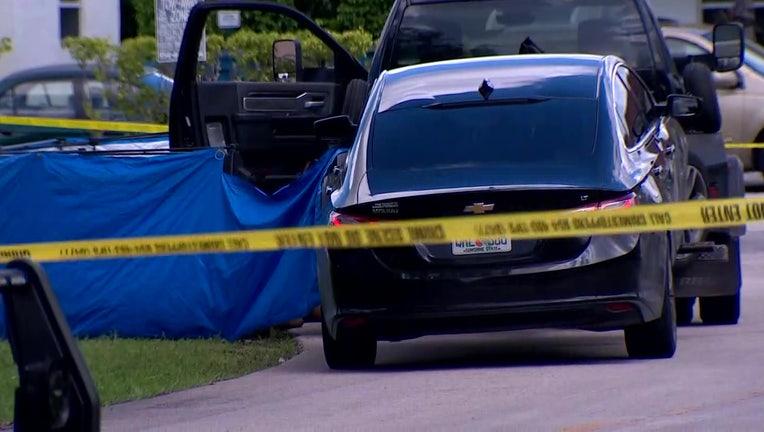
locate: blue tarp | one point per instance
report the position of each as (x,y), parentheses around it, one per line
(57,197)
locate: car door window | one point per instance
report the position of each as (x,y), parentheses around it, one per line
(51,98)
(246,54)
(637,104)
(97,94)
(6,103)
(681,48)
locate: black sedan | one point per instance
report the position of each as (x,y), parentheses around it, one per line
(501,135)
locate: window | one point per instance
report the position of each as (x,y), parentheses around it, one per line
(6,103)
(69,18)
(53,98)
(638,103)
(251,59)
(442,30)
(416,136)
(683,48)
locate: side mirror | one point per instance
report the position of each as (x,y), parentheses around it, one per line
(729,48)
(727,80)
(679,106)
(336,128)
(55,390)
(287,60)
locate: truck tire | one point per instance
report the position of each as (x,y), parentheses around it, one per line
(722,310)
(698,81)
(355,99)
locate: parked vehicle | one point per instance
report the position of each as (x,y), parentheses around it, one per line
(740,92)
(499,135)
(270,122)
(63,92)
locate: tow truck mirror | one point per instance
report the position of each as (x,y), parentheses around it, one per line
(339,128)
(682,106)
(729,47)
(287,60)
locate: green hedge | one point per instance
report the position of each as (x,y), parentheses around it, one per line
(5,45)
(335,15)
(253,51)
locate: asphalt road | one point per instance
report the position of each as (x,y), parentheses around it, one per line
(531,381)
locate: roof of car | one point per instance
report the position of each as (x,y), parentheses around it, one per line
(700,31)
(53,71)
(535,75)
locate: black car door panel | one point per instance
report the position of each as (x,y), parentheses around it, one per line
(266,118)
(256,115)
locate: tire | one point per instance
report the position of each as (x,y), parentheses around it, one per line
(684,310)
(354,348)
(723,310)
(355,99)
(698,81)
(656,339)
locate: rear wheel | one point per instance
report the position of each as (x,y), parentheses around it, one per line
(656,339)
(354,348)
(722,310)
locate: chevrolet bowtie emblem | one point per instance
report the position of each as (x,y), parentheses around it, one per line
(478,208)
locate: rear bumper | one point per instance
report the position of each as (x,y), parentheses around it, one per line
(604,296)
(711,277)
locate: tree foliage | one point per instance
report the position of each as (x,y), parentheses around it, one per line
(6,46)
(335,15)
(121,69)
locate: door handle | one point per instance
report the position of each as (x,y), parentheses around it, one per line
(314,104)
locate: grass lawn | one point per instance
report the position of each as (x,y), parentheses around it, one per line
(127,369)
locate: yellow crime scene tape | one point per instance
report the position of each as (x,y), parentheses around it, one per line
(90,125)
(518,226)
(744,145)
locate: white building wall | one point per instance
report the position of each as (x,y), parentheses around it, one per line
(688,12)
(34,27)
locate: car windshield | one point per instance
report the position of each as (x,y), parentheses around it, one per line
(426,135)
(449,30)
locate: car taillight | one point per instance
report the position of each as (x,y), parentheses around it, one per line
(713,191)
(621,202)
(337,219)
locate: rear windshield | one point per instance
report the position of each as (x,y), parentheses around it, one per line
(442,31)
(421,137)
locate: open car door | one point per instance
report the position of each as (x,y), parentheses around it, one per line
(261,95)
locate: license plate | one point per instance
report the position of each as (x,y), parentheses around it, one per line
(478,247)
